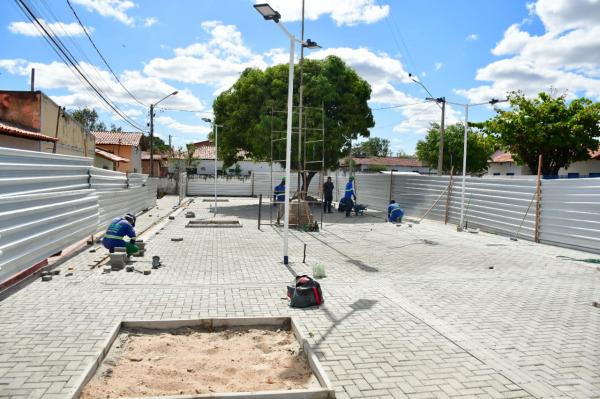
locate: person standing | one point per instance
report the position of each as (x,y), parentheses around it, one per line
(328,194)
(279,197)
(349,195)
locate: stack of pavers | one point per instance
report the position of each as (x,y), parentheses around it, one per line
(118,259)
(142,248)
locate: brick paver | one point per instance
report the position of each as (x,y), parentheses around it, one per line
(410,312)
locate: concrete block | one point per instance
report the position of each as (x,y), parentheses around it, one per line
(171,217)
(147,272)
(120,249)
(47,278)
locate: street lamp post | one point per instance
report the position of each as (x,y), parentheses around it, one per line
(271,15)
(216,130)
(464,168)
(152,130)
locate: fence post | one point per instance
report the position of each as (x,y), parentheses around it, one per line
(252,193)
(449,194)
(259,209)
(538,193)
(391,184)
(127,180)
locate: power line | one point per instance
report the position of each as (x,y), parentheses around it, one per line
(100,54)
(400,106)
(67,57)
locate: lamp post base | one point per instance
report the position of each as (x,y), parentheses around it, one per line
(285,260)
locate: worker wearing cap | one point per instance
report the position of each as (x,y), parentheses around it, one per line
(117,230)
(279,197)
(348,195)
(395,213)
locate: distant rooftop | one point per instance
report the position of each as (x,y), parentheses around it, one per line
(12,130)
(119,138)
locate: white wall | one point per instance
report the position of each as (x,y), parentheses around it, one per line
(136,159)
(246,166)
(584,168)
(421,169)
(503,168)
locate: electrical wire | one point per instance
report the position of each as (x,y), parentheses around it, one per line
(400,106)
(101,56)
(67,57)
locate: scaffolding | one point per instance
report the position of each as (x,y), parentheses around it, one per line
(309,137)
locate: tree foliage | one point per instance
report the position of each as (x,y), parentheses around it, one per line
(88,117)
(159,144)
(373,147)
(245,111)
(479,148)
(562,133)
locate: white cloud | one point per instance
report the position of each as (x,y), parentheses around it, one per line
(150,21)
(57,75)
(55,29)
(116,9)
(171,123)
(343,12)
(472,37)
(564,57)
(418,118)
(217,62)
(438,66)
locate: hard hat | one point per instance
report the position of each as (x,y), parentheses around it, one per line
(351,178)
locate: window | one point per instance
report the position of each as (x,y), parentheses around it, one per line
(105,167)
(203,168)
(497,174)
(510,174)
(595,174)
(573,175)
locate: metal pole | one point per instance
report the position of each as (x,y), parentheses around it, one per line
(300,177)
(151,140)
(288,152)
(464,171)
(441,149)
(32,79)
(216,157)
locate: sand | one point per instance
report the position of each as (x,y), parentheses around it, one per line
(187,361)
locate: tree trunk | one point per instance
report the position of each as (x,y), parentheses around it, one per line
(306,179)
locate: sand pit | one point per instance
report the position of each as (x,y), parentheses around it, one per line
(190,361)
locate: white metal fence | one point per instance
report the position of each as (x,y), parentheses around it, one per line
(49,201)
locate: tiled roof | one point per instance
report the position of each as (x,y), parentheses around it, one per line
(206,150)
(501,156)
(389,161)
(109,156)
(146,156)
(10,130)
(121,138)
(595,154)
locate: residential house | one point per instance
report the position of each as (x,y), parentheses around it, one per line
(366,164)
(125,145)
(204,162)
(32,121)
(106,160)
(503,164)
(160,164)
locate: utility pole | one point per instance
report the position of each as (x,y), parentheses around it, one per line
(170,148)
(300,177)
(441,153)
(151,140)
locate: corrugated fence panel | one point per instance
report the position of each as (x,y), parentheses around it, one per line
(29,172)
(372,190)
(416,194)
(226,186)
(264,184)
(151,184)
(107,180)
(35,226)
(571,213)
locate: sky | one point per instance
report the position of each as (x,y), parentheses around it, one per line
(466,51)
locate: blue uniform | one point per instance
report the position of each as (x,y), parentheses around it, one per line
(349,190)
(395,213)
(117,229)
(279,193)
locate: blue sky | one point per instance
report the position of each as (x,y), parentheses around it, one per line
(464,50)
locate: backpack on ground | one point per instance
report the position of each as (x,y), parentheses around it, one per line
(304,292)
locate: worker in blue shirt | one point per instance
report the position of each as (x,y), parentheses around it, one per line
(395,213)
(117,230)
(348,195)
(279,198)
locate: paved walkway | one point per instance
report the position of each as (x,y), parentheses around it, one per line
(411,312)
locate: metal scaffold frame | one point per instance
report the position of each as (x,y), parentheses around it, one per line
(311,159)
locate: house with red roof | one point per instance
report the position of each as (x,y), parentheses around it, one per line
(125,145)
(501,163)
(396,164)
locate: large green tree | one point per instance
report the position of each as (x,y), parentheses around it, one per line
(159,144)
(246,108)
(479,148)
(373,147)
(562,132)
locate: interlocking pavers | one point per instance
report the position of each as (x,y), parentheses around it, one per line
(402,317)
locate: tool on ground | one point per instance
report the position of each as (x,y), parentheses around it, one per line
(156,262)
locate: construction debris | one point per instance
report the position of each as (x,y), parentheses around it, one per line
(190,214)
(176,239)
(47,278)
(171,217)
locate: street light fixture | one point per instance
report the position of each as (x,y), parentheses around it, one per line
(216,130)
(152,130)
(271,15)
